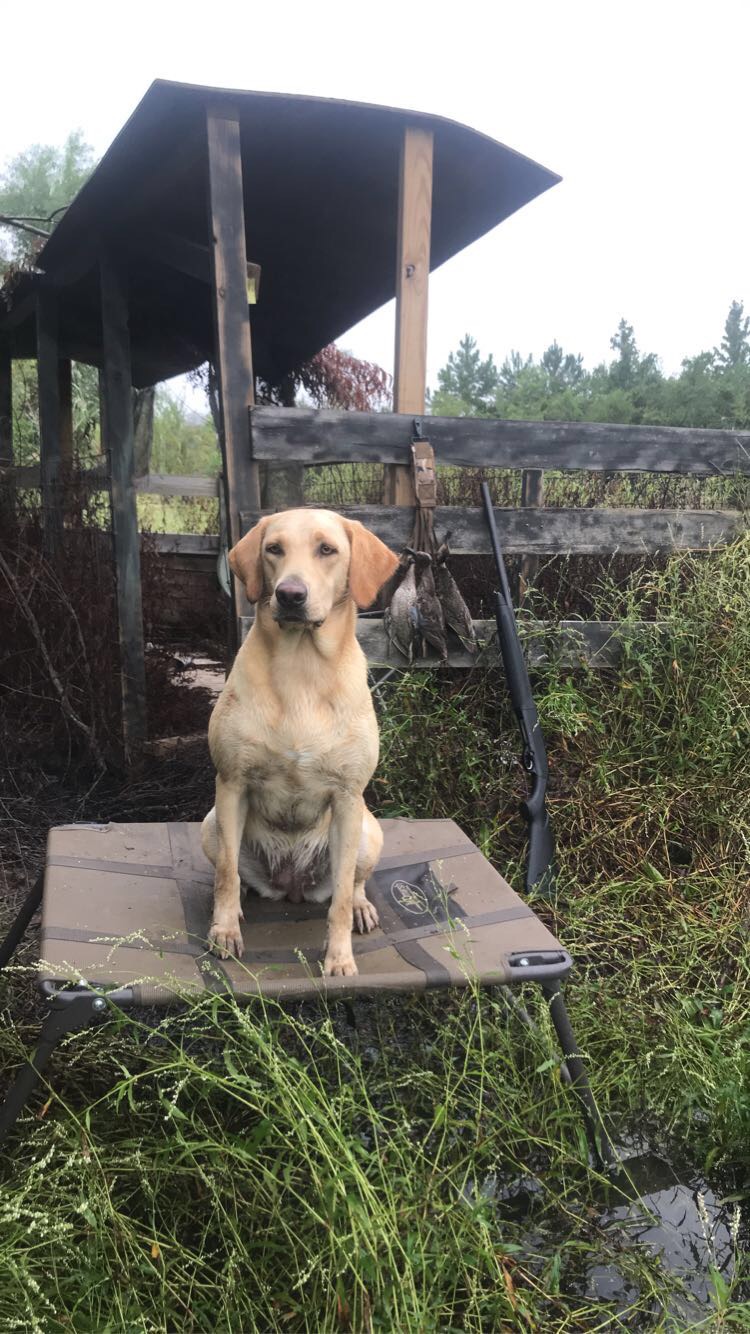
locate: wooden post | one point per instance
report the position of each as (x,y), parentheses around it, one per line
(532,495)
(64,371)
(118,443)
(6,407)
(412,280)
(7,484)
(47,344)
(232,345)
(65,381)
(282,485)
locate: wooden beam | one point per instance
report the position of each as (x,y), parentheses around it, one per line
(322,435)
(233,349)
(186,544)
(96,478)
(118,442)
(48,380)
(6,407)
(158,484)
(7,481)
(187,257)
(532,496)
(568,643)
(282,485)
(65,378)
(557,532)
(597,644)
(412,282)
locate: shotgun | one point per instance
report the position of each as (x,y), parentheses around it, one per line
(540,867)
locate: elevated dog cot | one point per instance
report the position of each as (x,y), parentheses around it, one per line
(126,910)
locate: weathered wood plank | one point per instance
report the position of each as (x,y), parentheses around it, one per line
(119,445)
(65,377)
(186,544)
(6,406)
(48,381)
(7,480)
(188,257)
(322,435)
(153,484)
(163,484)
(570,643)
(532,496)
(574,532)
(412,283)
(233,351)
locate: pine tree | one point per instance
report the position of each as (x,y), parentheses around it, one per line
(735,345)
(468,379)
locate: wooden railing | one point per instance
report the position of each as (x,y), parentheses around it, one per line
(96,479)
(311,437)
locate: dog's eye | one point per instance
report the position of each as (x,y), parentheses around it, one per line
(274,549)
(326,550)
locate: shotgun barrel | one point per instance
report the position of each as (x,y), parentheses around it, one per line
(540,866)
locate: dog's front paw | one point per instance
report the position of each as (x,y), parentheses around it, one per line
(365,915)
(339,963)
(226,938)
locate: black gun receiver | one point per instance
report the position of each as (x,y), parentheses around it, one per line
(540,866)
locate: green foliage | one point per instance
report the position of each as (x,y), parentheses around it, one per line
(85,401)
(735,345)
(712,389)
(467,381)
(183,441)
(38,183)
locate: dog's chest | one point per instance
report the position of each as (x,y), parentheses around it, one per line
(289,787)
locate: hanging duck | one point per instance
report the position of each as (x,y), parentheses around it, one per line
(456,613)
(422,601)
(399,616)
(428,615)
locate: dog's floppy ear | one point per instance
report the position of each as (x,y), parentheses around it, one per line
(372,562)
(245,561)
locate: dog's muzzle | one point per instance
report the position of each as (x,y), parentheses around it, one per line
(291,600)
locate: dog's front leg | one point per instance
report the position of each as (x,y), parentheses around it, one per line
(231,811)
(344,838)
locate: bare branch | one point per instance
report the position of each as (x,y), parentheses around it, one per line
(59,688)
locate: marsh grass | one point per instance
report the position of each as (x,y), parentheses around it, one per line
(226,1169)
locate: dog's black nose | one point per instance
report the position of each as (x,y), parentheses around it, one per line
(291,593)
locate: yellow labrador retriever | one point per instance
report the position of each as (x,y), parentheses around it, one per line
(293,735)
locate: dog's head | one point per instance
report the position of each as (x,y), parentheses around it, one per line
(305,562)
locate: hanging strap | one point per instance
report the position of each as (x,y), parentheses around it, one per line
(425,491)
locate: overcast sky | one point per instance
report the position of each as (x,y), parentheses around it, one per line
(642,108)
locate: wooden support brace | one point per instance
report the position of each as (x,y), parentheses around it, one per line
(412,280)
(6,407)
(232,345)
(188,257)
(532,497)
(65,392)
(118,442)
(7,483)
(47,353)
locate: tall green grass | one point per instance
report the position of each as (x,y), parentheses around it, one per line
(256,1170)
